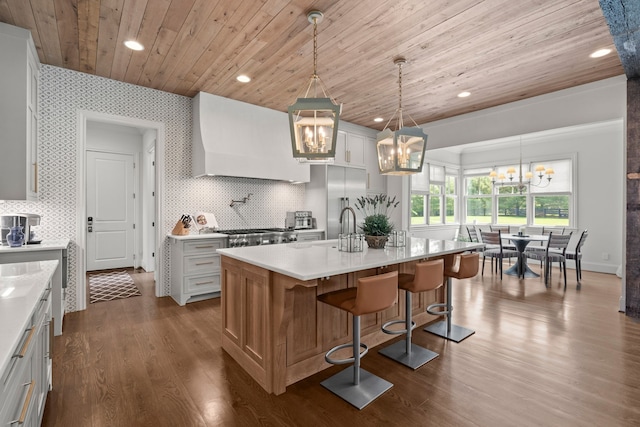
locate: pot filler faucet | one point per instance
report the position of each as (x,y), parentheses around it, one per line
(348,208)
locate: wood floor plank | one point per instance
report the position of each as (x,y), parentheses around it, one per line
(540,356)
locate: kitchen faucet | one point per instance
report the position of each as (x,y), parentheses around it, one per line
(348,208)
(244,200)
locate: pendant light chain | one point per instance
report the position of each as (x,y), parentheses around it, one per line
(315,47)
(400,120)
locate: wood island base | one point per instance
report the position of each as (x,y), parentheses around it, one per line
(275,329)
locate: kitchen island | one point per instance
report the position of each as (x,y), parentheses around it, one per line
(273,326)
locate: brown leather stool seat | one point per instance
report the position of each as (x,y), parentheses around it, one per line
(458,266)
(428,276)
(372,294)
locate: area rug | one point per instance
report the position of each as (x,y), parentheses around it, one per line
(111,285)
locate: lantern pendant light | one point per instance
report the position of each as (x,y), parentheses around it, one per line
(313,120)
(401,152)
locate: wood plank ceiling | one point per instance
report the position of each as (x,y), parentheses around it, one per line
(499,50)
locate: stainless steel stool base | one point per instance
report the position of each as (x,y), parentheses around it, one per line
(457,333)
(418,356)
(359,395)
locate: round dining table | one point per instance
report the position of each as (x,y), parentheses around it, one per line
(520,268)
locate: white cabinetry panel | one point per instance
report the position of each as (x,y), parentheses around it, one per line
(195,269)
(19,68)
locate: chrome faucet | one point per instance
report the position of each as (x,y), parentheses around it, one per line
(348,208)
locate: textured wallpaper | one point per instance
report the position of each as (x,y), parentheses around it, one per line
(64,92)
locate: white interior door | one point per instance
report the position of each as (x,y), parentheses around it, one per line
(110,210)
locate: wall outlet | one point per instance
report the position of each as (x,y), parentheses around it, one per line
(605,256)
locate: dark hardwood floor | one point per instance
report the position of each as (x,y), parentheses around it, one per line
(539,357)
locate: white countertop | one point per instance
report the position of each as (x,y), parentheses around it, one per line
(199,236)
(312,260)
(45,245)
(21,285)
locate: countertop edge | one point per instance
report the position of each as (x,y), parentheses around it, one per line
(236,253)
(7,346)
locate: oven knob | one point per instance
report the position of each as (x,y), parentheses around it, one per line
(293,238)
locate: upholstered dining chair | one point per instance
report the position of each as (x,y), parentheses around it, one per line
(554,252)
(496,250)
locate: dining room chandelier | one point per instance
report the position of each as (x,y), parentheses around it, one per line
(401,152)
(541,178)
(314,117)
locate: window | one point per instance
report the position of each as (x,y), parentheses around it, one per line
(478,195)
(434,195)
(552,200)
(543,202)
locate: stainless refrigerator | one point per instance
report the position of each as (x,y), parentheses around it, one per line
(344,186)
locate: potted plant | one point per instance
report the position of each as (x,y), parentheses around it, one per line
(376,225)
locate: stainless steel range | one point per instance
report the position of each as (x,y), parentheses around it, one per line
(259,236)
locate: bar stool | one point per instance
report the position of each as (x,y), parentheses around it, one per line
(456,266)
(373,294)
(428,276)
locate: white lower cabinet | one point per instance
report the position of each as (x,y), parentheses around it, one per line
(195,269)
(27,379)
(309,236)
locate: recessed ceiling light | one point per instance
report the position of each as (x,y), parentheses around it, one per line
(133,45)
(464,94)
(600,53)
(243,79)
(378,119)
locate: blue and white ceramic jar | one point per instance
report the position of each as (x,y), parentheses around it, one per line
(15,237)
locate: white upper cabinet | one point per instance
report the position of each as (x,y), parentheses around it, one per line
(350,149)
(376,182)
(19,71)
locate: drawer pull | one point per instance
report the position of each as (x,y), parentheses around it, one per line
(25,405)
(204,263)
(204,247)
(204,283)
(25,346)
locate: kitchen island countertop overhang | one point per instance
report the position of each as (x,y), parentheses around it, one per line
(319,259)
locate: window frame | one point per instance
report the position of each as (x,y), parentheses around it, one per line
(449,171)
(529,196)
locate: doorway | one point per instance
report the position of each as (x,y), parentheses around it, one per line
(119,197)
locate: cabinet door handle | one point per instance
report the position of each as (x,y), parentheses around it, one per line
(25,346)
(204,263)
(368,180)
(204,247)
(25,405)
(204,283)
(35,177)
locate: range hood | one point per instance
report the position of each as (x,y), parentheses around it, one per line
(233,138)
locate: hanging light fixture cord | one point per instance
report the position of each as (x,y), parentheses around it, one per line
(315,47)
(400,121)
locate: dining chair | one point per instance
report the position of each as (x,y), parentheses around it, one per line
(575,254)
(474,237)
(554,252)
(503,229)
(495,249)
